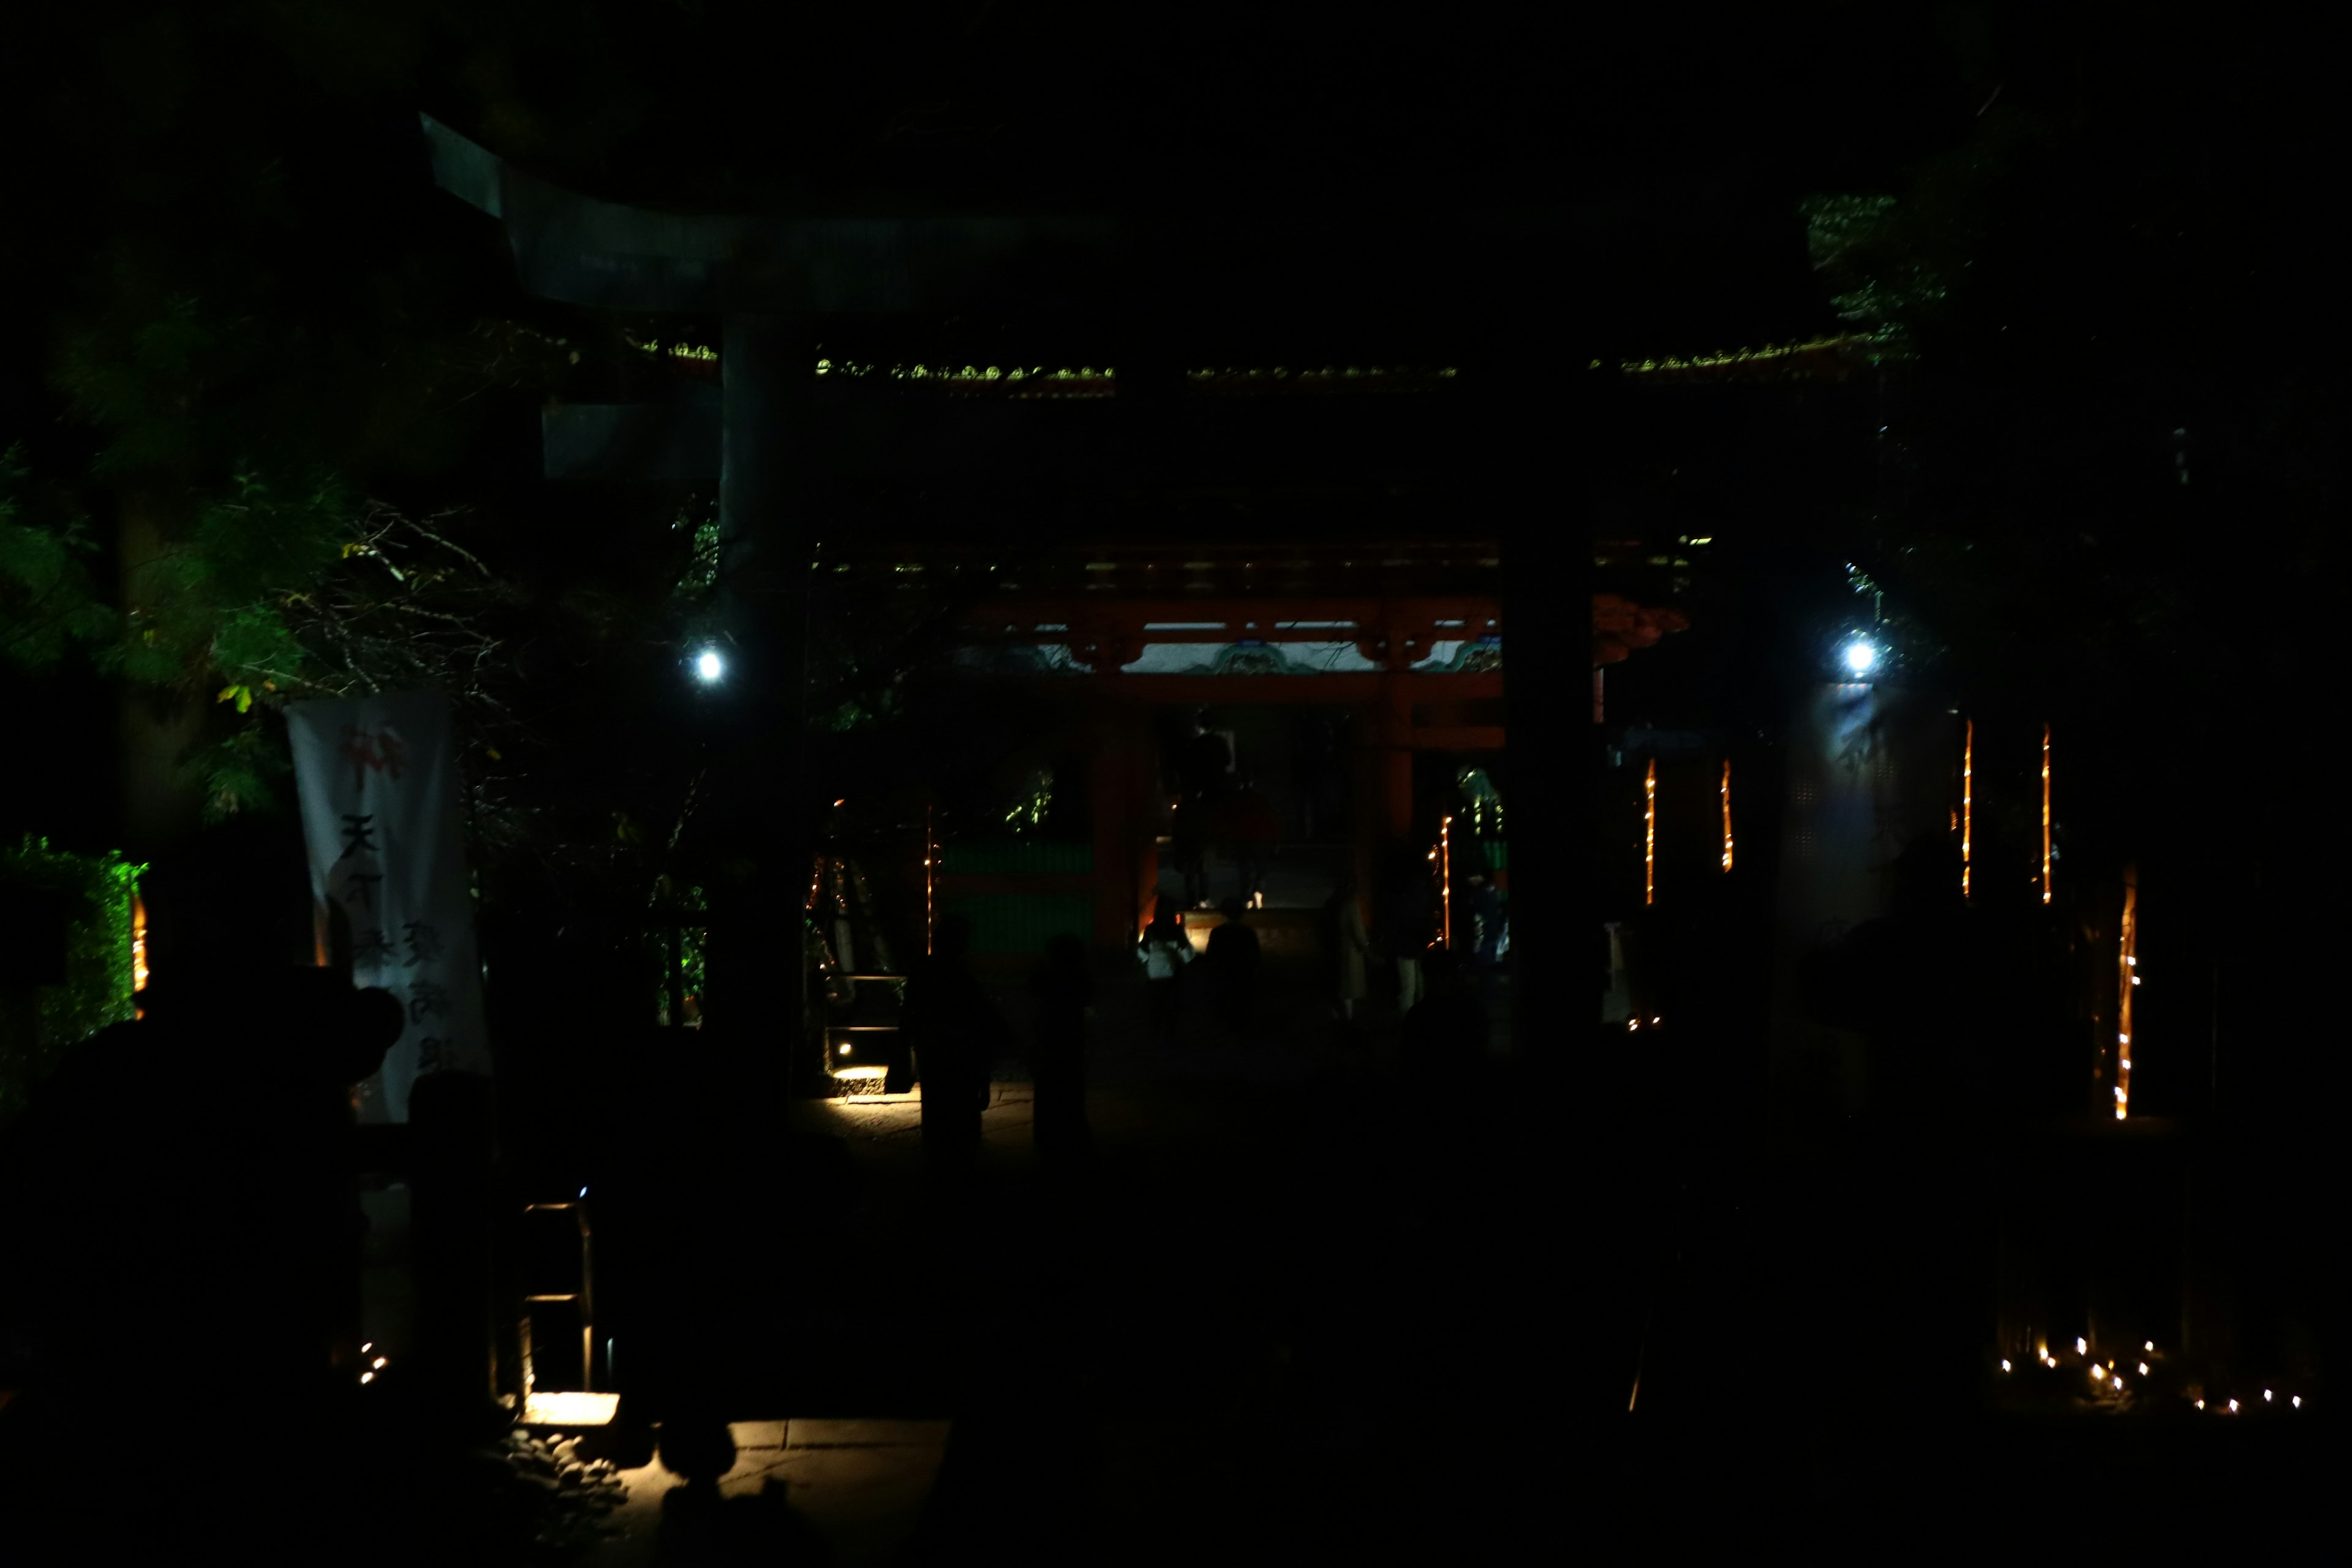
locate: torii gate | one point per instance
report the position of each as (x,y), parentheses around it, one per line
(773,280)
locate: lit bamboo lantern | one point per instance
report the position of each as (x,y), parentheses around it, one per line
(1650,835)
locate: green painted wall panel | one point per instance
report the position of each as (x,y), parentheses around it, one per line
(1021,922)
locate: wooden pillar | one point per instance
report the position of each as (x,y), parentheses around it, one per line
(1368,781)
(757,728)
(1568,1084)
(1111,788)
(1117,777)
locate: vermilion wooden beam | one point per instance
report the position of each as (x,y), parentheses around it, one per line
(1354,687)
(1458,737)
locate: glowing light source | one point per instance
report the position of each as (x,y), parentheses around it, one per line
(138,943)
(1860,656)
(2296,1402)
(570,1409)
(2147,1345)
(2082,1346)
(377,1363)
(2119,1383)
(1445,877)
(2143,1369)
(2125,979)
(1650,835)
(2233,1407)
(2004,1366)
(367,1377)
(2267,1397)
(1727,814)
(2045,816)
(1967,802)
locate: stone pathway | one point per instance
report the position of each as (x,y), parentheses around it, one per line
(859,1484)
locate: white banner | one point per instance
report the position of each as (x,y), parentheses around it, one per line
(378,781)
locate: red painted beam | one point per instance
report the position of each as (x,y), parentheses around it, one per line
(1458,738)
(1352,687)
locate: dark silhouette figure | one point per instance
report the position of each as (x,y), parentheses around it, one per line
(1233,961)
(1936,989)
(180,1209)
(954,1033)
(1062,987)
(1486,912)
(1446,1032)
(1164,951)
(1201,770)
(1347,947)
(699,1525)
(1407,914)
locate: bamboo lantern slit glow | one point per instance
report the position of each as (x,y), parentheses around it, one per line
(1967,801)
(930,900)
(1445,878)
(2129,960)
(1727,814)
(1650,835)
(2045,814)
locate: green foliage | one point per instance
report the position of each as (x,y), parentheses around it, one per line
(1036,797)
(48,600)
(1865,247)
(701,574)
(1912,268)
(98,892)
(239,771)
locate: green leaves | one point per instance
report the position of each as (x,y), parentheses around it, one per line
(49,601)
(97,893)
(237,773)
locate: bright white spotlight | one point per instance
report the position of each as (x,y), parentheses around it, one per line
(1860,656)
(710,666)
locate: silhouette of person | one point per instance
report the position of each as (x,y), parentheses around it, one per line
(1486,912)
(237,1199)
(1346,947)
(1234,959)
(1062,987)
(954,1033)
(701,1525)
(1928,990)
(1163,950)
(1446,1032)
(1406,916)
